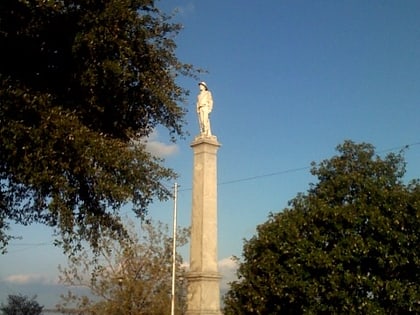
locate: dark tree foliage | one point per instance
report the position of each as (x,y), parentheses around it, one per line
(21,305)
(349,246)
(81,82)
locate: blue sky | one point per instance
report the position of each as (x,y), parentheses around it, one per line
(290,80)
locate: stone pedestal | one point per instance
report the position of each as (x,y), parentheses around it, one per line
(203,278)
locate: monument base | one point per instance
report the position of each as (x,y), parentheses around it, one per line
(203,294)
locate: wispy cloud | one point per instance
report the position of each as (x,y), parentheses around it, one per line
(158,148)
(30,279)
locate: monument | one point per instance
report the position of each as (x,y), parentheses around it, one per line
(203,278)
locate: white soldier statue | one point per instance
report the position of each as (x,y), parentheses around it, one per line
(204,108)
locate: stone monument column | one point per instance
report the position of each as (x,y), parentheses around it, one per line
(203,277)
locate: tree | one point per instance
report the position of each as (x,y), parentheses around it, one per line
(82,84)
(349,246)
(21,305)
(133,277)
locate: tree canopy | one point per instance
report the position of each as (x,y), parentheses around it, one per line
(351,245)
(22,305)
(129,277)
(82,84)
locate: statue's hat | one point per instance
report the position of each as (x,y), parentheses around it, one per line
(203,84)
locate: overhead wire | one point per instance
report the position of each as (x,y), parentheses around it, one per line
(27,246)
(239,180)
(293,170)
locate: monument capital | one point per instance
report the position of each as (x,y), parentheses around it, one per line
(205,139)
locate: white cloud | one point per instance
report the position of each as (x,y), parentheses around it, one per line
(30,279)
(185,266)
(159,148)
(227,268)
(228,263)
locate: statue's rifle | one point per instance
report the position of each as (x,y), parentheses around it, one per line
(199,121)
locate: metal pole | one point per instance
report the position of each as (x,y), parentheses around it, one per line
(174,253)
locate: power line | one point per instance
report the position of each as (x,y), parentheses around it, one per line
(240,180)
(293,170)
(31,244)
(401,148)
(26,246)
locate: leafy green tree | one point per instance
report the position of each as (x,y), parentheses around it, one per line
(82,84)
(130,277)
(21,305)
(349,246)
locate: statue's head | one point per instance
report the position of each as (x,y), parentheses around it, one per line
(203,84)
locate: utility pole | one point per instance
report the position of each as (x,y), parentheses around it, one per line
(174,252)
